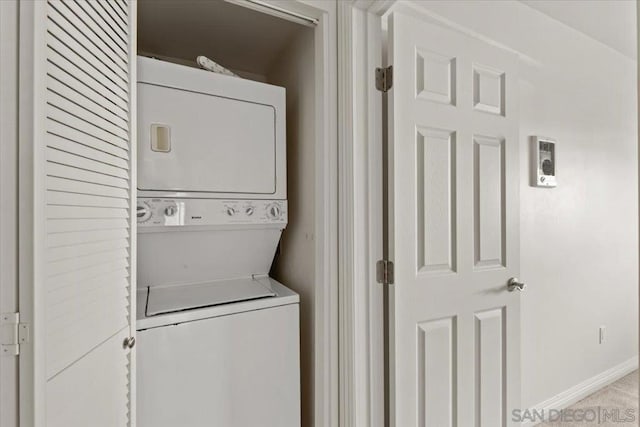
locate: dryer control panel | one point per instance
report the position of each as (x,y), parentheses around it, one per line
(153,212)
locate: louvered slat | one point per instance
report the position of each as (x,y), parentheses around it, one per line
(112,146)
(118,26)
(81,112)
(121,16)
(58,48)
(80,149)
(100,308)
(69,225)
(55,113)
(86,145)
(123,6)
(90,37)
(62,320)
(72,159)
(65,27)
(104,20)
(86,286)
(81,276)
(60,198)
(79,237)
(64,171)
(98,24)
(62,212)
(93,306)
(80,187)
(65,252)
(61,66)
(90,104)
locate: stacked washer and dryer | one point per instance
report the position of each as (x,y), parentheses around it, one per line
(218,339)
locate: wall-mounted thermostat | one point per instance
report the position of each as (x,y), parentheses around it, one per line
(544,162)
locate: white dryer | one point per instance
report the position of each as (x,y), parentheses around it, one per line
(218,339)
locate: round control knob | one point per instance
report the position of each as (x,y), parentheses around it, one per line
(274,211)
(249,211)
(170,211)
(231,211)
(143,212)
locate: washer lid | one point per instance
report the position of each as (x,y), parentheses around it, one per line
(170,299)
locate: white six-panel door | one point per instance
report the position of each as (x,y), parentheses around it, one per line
(79,302)
(453,170)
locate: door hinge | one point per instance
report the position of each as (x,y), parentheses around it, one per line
(12,334)
(384,78)
(384,272)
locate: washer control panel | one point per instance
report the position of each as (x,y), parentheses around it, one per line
(178,212)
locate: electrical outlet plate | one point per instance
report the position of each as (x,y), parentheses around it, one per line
(544,162)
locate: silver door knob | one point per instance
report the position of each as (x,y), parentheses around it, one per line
(128,342)
(514,284)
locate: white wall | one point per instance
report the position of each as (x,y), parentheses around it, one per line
(579,246)
(295,265)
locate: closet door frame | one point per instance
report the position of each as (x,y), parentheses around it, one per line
(9,197)
(326,317)
(362,320)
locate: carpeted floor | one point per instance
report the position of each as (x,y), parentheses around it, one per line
(613,406)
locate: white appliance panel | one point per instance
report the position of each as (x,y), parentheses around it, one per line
(217,144)
(170,299)
(232,371)
(207,135)
(283,296)
(157,215)
(196,256)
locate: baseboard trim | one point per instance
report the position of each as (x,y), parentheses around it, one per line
(584,389)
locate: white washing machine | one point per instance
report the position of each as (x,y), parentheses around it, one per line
(218,339)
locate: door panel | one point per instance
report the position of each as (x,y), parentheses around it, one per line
(77,128)
(83,232)
(453,232)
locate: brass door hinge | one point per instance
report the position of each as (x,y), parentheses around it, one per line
(384,78)
(384,272)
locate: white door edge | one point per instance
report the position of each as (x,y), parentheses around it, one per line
(31,400)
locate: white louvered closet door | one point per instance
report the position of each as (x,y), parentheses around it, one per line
(83,235)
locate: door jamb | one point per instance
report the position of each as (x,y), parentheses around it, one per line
(9,195)
(361,301)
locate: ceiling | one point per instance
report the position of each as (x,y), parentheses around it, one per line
(612,22)
(236,37)
(246,40)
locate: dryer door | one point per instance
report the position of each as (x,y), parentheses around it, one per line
(197,142)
